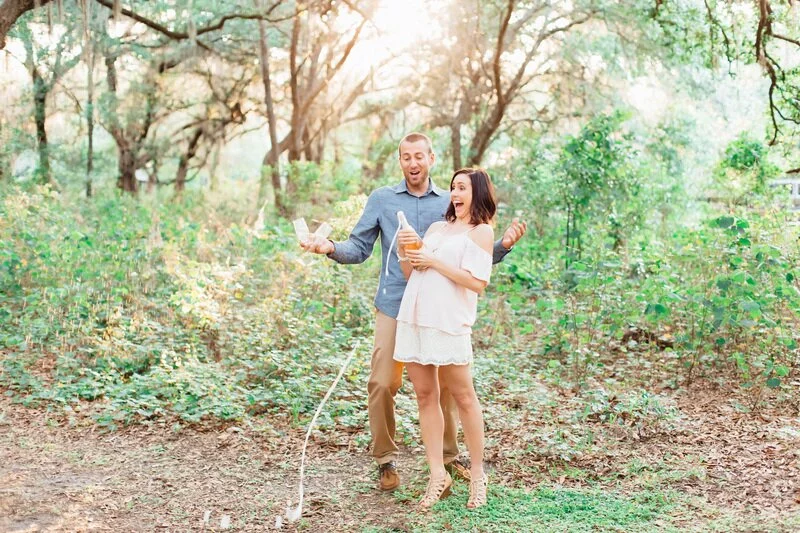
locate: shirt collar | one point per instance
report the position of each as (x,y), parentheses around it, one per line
(432,188)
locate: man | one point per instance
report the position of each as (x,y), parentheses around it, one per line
(423,204)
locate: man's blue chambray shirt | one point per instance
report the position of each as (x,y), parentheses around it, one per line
(380,218)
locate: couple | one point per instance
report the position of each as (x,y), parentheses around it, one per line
(426,305)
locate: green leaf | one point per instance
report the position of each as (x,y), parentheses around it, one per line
(657,309)
(725,222)
(750,307)
(782,370)
(773,383)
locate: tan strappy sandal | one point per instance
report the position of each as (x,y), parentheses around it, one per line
(477,492)
(437,489)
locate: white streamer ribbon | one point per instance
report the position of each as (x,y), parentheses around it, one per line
(391,246)
(293,514)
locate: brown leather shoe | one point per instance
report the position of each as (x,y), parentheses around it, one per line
(459,468)
(389,479)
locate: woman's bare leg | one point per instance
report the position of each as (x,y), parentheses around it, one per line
(431,421)
(459,381)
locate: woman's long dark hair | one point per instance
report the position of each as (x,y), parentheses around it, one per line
(484,204)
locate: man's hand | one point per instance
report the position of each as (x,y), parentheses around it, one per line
(408,237)
(514,233)
(317,245)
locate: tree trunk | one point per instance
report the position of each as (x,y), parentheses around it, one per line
(152,181)
(455,145)
(308,150)
(483,137)
(183,164)
(213,178)
(126,160)
(296,137)
(295,133)
(314,148)
(127,168)
(10,11)
(127,156)
(319,145)
(90,118)
(40,91)
(274,152)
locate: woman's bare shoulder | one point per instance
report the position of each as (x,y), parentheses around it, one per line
(483,236)
(436,226)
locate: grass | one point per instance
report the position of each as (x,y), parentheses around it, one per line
(550,509)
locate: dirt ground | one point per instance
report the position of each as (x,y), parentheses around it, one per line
(54,478)
(151,478)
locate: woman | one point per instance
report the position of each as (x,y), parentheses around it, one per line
(434,324)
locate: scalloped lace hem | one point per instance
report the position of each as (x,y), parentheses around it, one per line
(431,346)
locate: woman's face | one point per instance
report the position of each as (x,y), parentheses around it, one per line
(461,196)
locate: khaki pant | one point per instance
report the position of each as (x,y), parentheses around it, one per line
(385,378)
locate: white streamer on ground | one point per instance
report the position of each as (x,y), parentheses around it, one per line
(293,514)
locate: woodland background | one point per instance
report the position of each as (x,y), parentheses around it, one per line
(164,341)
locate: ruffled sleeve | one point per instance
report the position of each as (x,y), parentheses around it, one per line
(477,261)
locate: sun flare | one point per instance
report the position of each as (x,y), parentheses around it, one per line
(402,23)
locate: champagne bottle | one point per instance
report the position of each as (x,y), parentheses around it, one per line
(403,222)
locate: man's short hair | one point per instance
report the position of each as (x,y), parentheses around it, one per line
(414,137)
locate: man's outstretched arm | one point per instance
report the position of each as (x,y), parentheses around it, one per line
(358,247)
(510,237)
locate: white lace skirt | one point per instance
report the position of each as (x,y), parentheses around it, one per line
(430,346)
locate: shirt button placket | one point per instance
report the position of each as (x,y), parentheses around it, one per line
(419,214)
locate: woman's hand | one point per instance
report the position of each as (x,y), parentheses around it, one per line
(420,259)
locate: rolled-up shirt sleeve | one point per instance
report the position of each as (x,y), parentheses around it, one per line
(358,247)
(499,252)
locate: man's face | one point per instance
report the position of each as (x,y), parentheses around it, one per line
(416,161)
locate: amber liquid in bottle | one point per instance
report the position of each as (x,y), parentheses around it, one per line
(401,217)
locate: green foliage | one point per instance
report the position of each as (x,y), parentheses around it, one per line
(641,411)
(724,36)
(599,180)
(146,313)
(601,186)
(696,291)
(744,170)
(137,309)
